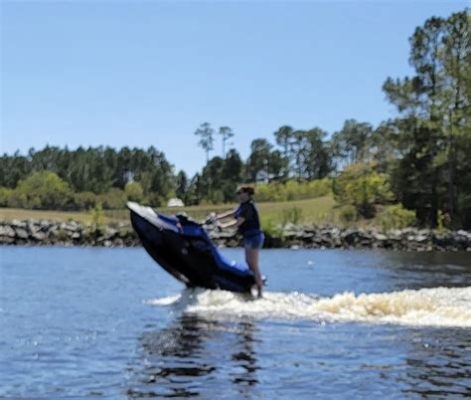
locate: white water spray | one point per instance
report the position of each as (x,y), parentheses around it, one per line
(424,307)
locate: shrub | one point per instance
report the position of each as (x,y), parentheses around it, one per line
(17,200)
(396,217)
(97,217)
(134,191)
(293,190)
(215,197)
(270,192)
(42,190)
(271,228)
(155,199)
(291,215)
(348,213)
(358,185)
(5,195)
(113,199)
(85,200)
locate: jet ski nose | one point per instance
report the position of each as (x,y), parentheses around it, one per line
(132,205)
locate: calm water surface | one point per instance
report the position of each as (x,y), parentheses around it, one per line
(109,324)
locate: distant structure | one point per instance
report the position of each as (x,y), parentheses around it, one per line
(263,176)
(175,202)
(128,177)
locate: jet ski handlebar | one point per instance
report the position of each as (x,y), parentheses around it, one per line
(183,217)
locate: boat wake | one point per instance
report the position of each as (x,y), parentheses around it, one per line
(425,307)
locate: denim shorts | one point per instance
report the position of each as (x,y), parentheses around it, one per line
(254,241)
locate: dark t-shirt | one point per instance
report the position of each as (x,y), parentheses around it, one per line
(249,212)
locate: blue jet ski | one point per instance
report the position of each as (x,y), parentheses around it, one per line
(183,248)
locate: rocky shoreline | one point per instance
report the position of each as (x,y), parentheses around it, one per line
(72,233)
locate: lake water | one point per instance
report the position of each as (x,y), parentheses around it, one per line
(95,323)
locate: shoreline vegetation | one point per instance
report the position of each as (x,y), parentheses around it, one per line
(43,232)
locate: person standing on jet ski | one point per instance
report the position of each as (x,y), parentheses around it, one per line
(247,221)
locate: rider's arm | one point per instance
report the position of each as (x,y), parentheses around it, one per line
(227,214)
(234,222)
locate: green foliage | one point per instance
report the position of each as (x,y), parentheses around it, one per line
(352,143)
(284,136)
(181,186)
(433,129)
(85,200)
(113,199)
(291,215)
(271,228)
(260,151)
(358,185)
(270,192)
(348,213)
(5,195)
(293,190)
(155,199)
(42,190)
(218,180)
(97,217)
(216,197)
(13,169)
(206,134)
(304,155)
(443,221)
(18,200)
(396,217)
(226,134)
(134,191)
(464,202)
(94,170)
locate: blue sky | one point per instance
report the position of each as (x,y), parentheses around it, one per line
(126,73)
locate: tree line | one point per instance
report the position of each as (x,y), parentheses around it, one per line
(421,159)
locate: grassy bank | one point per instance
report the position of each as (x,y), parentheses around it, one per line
(319,210)
(8,214)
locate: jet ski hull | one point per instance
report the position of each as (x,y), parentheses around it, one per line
(183,248)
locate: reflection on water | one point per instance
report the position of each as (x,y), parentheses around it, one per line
(439,366)
(244,357)
(426,270)
(195,352)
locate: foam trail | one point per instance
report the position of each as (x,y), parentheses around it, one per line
(164,301)
(424,307)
